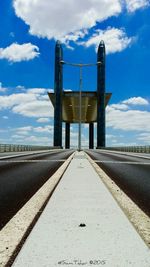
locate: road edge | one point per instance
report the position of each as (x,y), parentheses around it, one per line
(136,216)
(13,235)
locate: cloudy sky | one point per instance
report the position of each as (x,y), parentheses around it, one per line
(28,31)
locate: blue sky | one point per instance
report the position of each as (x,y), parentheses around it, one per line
(28,33)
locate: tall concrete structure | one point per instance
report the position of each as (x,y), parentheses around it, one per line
(101,96)
(58,88)
(91,135)
(66,104)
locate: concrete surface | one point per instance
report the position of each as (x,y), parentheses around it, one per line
(15,230)
(83,225)
(130,173)
(137,217)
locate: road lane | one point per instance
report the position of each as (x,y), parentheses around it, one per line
(25,153)
(130,173)
(21,177)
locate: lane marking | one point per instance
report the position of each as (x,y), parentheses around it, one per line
(33,160)
(122,162)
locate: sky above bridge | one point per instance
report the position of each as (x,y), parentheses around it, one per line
(28,31)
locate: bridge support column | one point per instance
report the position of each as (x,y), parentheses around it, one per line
(58,87)
(101,96)
(67,135)
(91,135)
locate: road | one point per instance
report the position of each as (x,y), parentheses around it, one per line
(130,172)
(22,176)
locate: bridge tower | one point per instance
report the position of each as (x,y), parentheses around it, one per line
(58,88)
(101,96)
(67,104)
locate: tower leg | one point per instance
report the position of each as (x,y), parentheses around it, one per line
(67,135)
(101,96)
(58,96)
(91,135)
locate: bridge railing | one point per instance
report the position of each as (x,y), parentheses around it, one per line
(136,149)
(19,148)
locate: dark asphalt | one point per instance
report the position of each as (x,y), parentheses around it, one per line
(21,177)
(130,173)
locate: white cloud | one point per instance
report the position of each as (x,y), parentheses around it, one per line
(8,101)
(120,106)
(38,140)
(45,129)
(136,101)
(67,90)
(33,135)
(43,120)
(110,136)
(51,90)
(64,19)
(70,21)
(23,131)
(122,116)
(130,120)
(2,89)
(133,5)
(28,129)
(17,136)
(144,137)
(5,117)
(20,87)
(115,40)
(29,134)
(16,52)
(31,103)
(73,37)
(35,109)
(37,91)
(25,128)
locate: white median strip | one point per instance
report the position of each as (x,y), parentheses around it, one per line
(15,230)
(138,218)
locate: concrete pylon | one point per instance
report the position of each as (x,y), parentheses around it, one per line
(58,87)
(67,135)
(101,95)
(91,135)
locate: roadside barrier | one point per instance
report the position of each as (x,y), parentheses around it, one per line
(136,149)
(19,148)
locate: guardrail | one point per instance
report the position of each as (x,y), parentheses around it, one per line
(137,149)
(19,148)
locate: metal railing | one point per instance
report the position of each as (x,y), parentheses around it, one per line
(19,148)
(136,149)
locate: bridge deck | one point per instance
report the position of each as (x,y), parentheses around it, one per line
(70,106)
(83,225)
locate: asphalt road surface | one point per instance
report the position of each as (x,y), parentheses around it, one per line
(130,172)
(21,177)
